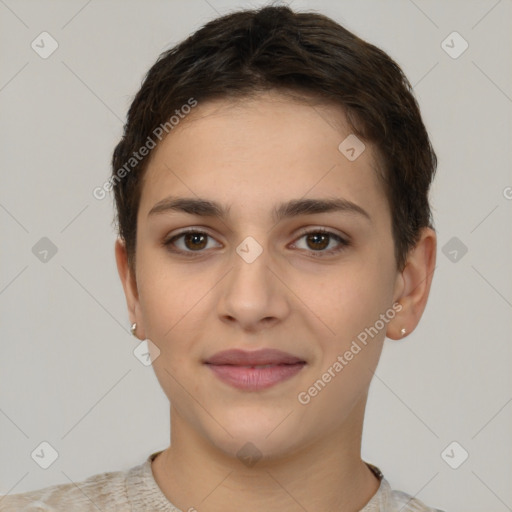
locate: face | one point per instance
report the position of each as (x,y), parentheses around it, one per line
(312,284)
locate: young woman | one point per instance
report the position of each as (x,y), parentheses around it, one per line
(271,189)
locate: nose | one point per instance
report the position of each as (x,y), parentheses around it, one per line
(253,296)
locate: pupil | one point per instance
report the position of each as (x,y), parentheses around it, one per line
(192,237)
(316,236)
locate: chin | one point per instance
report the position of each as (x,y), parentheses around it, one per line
(255,436)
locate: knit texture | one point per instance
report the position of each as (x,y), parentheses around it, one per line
(135,490)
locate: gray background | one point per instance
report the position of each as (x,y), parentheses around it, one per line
(68,374)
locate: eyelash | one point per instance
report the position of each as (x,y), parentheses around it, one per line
(316,254)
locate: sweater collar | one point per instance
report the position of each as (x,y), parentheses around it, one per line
(145,494)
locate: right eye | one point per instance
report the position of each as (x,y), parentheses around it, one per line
(190,241)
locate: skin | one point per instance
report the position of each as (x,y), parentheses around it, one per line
(252,156)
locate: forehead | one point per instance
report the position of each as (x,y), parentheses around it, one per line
(261,150)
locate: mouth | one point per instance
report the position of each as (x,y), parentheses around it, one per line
(254,371)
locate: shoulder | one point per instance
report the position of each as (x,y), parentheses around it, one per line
(401,501)
(406,503)
(387,499)
(103,491)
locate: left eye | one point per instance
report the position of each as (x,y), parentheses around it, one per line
(319,240)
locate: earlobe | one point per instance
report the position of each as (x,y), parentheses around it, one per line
(128,281)
(416,279)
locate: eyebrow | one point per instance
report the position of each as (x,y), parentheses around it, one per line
(293,208)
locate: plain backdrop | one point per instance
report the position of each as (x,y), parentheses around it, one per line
(68,375)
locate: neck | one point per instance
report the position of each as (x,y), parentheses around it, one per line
(326,475)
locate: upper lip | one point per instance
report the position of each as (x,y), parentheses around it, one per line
(256,357)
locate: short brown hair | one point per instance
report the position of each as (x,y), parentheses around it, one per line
(274,48)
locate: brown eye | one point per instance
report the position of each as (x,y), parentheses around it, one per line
(189,242)
(318,240)
(195,241)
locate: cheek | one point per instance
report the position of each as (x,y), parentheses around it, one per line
(166,299)
(166,292)
(168,303)
(351,299)
(350,303)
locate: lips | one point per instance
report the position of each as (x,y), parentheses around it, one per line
(264,357)
(254,371)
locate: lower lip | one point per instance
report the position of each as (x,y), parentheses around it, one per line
(254,379)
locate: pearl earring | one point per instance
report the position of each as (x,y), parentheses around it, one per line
(132,328)
(403,331)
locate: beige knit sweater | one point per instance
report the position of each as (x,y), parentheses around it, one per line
(135,490)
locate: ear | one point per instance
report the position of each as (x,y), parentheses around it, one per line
(413,285)
(128,280)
